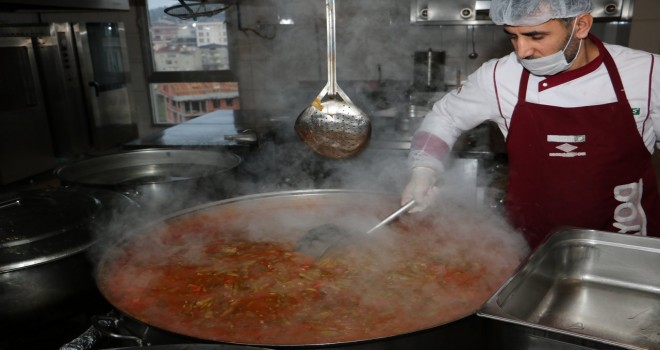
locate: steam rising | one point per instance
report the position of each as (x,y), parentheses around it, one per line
(452,234)
(467,228)
(289,166)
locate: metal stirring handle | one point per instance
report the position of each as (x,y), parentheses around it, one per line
(393,216)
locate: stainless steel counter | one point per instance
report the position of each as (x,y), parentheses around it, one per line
(208,130)
(216,129)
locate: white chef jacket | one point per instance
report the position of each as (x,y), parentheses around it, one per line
(491,94)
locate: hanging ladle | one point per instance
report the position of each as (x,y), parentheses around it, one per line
(332,125)
(317,241)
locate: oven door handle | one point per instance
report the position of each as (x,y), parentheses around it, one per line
(96,86)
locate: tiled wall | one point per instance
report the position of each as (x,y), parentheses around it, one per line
(645,26)
(287,71)
(375,40)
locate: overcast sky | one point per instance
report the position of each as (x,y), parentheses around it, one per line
(162,3)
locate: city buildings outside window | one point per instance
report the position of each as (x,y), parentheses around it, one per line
(190,73)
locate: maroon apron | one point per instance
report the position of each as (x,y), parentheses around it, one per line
(584,167)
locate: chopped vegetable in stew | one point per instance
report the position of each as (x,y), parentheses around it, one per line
(224,286)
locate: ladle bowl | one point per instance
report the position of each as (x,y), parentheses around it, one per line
(334,128)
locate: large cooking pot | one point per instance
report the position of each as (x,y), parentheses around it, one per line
(45,235)
(164,180)
(191,347)
(227,272)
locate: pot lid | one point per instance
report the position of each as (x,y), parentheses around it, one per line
(126,170)
(43,225)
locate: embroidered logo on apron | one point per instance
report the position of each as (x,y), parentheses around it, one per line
(566,147)
(629,216)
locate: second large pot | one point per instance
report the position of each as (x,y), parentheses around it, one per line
(45,236)
(227,272)
(165,180)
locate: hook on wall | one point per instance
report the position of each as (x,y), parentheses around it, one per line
(472,55)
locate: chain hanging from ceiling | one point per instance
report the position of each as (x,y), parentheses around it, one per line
(192,9)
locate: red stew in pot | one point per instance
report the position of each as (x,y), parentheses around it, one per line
(208,283)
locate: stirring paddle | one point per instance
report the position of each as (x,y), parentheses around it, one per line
(317,241)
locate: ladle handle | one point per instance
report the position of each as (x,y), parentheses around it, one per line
(393,216)
(332,58)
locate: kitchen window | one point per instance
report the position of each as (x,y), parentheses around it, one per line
(189,72)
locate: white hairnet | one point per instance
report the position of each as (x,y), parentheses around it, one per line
(535,12)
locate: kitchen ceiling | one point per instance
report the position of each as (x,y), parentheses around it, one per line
(42,5)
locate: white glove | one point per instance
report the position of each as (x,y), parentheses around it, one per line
(422,187)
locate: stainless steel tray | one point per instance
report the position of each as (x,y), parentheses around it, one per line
(593,285)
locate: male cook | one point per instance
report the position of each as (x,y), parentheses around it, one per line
(580,119)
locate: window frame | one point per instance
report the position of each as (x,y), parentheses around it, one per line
(210,76)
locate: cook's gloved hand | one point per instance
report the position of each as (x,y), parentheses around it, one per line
(422,188)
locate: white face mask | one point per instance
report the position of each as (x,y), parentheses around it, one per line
(551,64)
